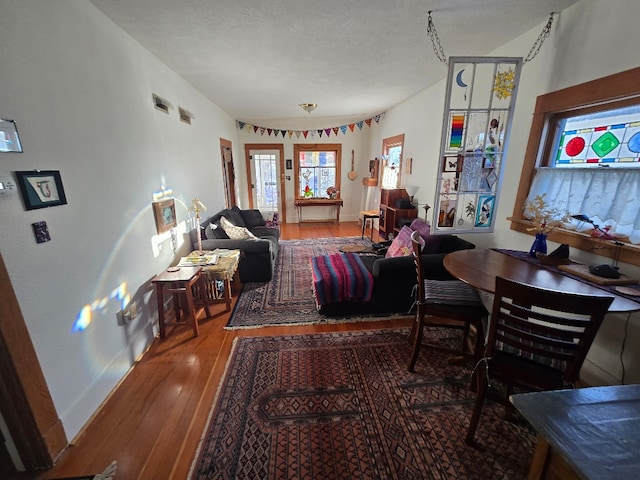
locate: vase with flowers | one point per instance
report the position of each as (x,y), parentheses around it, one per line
(332,192)
(545,219)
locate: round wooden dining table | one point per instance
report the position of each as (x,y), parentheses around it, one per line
(480,267)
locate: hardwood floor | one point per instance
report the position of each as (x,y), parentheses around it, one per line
(152,423)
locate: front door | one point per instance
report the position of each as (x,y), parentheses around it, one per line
(266,179)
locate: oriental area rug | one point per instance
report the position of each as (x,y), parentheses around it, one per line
(343,406)
(288,298)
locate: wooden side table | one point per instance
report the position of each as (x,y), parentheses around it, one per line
(224,271)
(179,283)
(369,215)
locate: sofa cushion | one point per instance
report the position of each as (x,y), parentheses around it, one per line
(235,217)
(401,245)
(235,232)
(253,218)
(431,242)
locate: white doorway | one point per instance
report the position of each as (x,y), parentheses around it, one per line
(266,179)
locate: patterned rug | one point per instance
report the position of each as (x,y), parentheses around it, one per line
(343,406)
(288,298)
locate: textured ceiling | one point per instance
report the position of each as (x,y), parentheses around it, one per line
(259,59)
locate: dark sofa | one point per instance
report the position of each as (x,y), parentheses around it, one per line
(257,257)
(394,279)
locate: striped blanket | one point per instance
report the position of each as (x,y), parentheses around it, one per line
(340,277)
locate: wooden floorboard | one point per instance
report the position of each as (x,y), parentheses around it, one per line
(152,423)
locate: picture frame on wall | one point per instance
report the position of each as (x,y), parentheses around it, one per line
(9,139)
(41,188)
(164,213)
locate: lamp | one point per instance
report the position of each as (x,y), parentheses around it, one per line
(411,190)
(308,107)
(606,271)
(197,206)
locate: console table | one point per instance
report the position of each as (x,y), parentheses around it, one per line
(318,202)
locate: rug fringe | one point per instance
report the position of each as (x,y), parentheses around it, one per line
(108,473)
(203,435)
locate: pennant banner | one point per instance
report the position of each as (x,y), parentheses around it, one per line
(321,131)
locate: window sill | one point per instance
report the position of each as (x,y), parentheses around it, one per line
(628,253)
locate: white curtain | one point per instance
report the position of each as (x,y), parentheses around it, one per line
(608,196)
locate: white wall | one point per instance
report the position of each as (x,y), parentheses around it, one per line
(80,90)
(592,39)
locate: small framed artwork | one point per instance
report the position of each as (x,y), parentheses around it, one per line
(164,213)
(484,210)
(41,188)
(289,164)
(9,139)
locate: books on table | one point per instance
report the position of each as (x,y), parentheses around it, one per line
(198,261)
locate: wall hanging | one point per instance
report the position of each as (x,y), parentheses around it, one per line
(480,97)
(164,213)
(41,188)
(9,139)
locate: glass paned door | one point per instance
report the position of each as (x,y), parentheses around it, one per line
(264,178)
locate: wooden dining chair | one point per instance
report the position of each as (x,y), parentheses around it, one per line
(537,340)
(445,303)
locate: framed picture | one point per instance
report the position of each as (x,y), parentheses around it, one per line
(41,188)
(164,212)
(9,139)
(289,164)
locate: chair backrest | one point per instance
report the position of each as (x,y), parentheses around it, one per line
(552,328)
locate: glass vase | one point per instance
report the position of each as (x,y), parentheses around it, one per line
(539,244)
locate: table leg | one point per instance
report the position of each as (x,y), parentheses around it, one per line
(364,224)
(192,309)
(227,293)
(203,294)
(159,289)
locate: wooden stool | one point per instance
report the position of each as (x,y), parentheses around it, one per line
(366,215)
(179,282)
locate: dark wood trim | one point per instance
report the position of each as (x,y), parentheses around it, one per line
(618,90)
(25,401)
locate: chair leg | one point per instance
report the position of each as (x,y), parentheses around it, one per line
(477,409)
(417,332)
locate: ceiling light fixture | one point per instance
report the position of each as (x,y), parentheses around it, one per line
(308,107)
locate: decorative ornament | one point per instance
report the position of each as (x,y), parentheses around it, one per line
(504,83)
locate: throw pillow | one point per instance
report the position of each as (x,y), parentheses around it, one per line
(401,245)
(431,242)
(253,218)
(235,232)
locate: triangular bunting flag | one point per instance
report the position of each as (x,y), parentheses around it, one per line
(276,131)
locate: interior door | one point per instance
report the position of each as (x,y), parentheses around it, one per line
(266,179)
(228,173)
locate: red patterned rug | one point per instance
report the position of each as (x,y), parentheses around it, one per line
(343,406)
(288,298)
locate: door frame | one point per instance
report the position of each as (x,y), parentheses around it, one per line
(228,174)
(281,188)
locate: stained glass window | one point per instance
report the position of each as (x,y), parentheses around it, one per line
(609,138)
